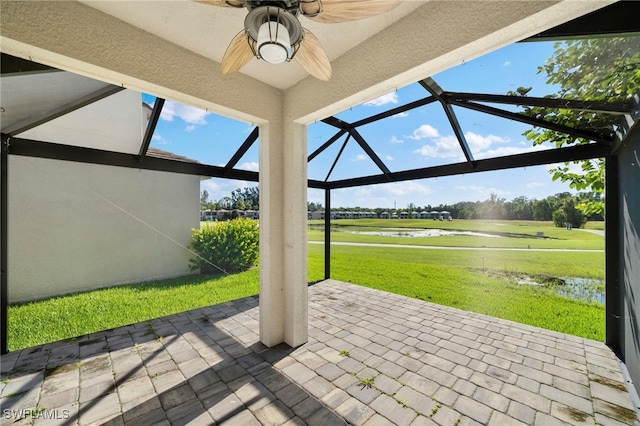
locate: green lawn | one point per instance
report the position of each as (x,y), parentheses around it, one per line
(466,279)
(559,264)
(594,225)
(521,234)
(73,315)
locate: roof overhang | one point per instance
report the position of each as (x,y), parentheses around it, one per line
(164,48)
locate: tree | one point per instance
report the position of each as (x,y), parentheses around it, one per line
(225,203)
(247,198)
(568,214)
(602,69)
(542,209)
(314,207)
(492,208)
(588,198)
(204,199)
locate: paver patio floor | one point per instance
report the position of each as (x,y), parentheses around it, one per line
(372,358)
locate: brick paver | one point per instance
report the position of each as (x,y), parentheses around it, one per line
(372,358)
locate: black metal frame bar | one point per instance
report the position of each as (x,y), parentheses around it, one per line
(151,128)
(327,233)
(594,106)
(432,87)
(348,127)
(536,158)
(369,151)
(390,113)
(614,310)
(615,19)
(33,148)
(586,134)
(337,123)
(4,229)
(12,65)
(248,143)
(326,145)
(344,145)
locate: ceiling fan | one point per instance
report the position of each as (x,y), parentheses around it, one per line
(273,32)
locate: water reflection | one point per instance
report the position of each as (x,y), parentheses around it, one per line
(423,233)
(586,289)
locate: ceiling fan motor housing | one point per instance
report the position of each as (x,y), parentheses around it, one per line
(274,32)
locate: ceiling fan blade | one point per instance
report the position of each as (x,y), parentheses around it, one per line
(237,55)
(312,57)
(335,11)
(223,3)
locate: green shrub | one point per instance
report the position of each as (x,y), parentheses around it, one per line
(230,246)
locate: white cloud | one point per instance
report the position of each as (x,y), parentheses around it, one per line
(252,166)
(427,151)
(160,140)
(477,142)
(424,131)
(506,63)
(509,150)
(186,113)
(388,157)
(359,157)
(190,128)
(400,115)
(449,147)
(383,195)
(220,188)
(444,147)
(389,98)
(212,186)
(394,139)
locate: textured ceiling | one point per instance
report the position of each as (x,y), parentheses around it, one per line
(207,30)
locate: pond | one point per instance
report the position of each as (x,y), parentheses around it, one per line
(413,233)
(586,289)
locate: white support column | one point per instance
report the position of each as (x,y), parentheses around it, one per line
(295,234)
(283,234)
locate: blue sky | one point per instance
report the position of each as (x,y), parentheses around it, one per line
(418,138)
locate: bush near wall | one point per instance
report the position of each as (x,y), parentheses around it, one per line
(230,246)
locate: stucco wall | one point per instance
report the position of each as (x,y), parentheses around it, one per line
(629,231)
(80,226)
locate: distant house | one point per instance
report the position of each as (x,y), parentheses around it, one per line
(252,214)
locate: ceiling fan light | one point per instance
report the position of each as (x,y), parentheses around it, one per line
(274,45)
